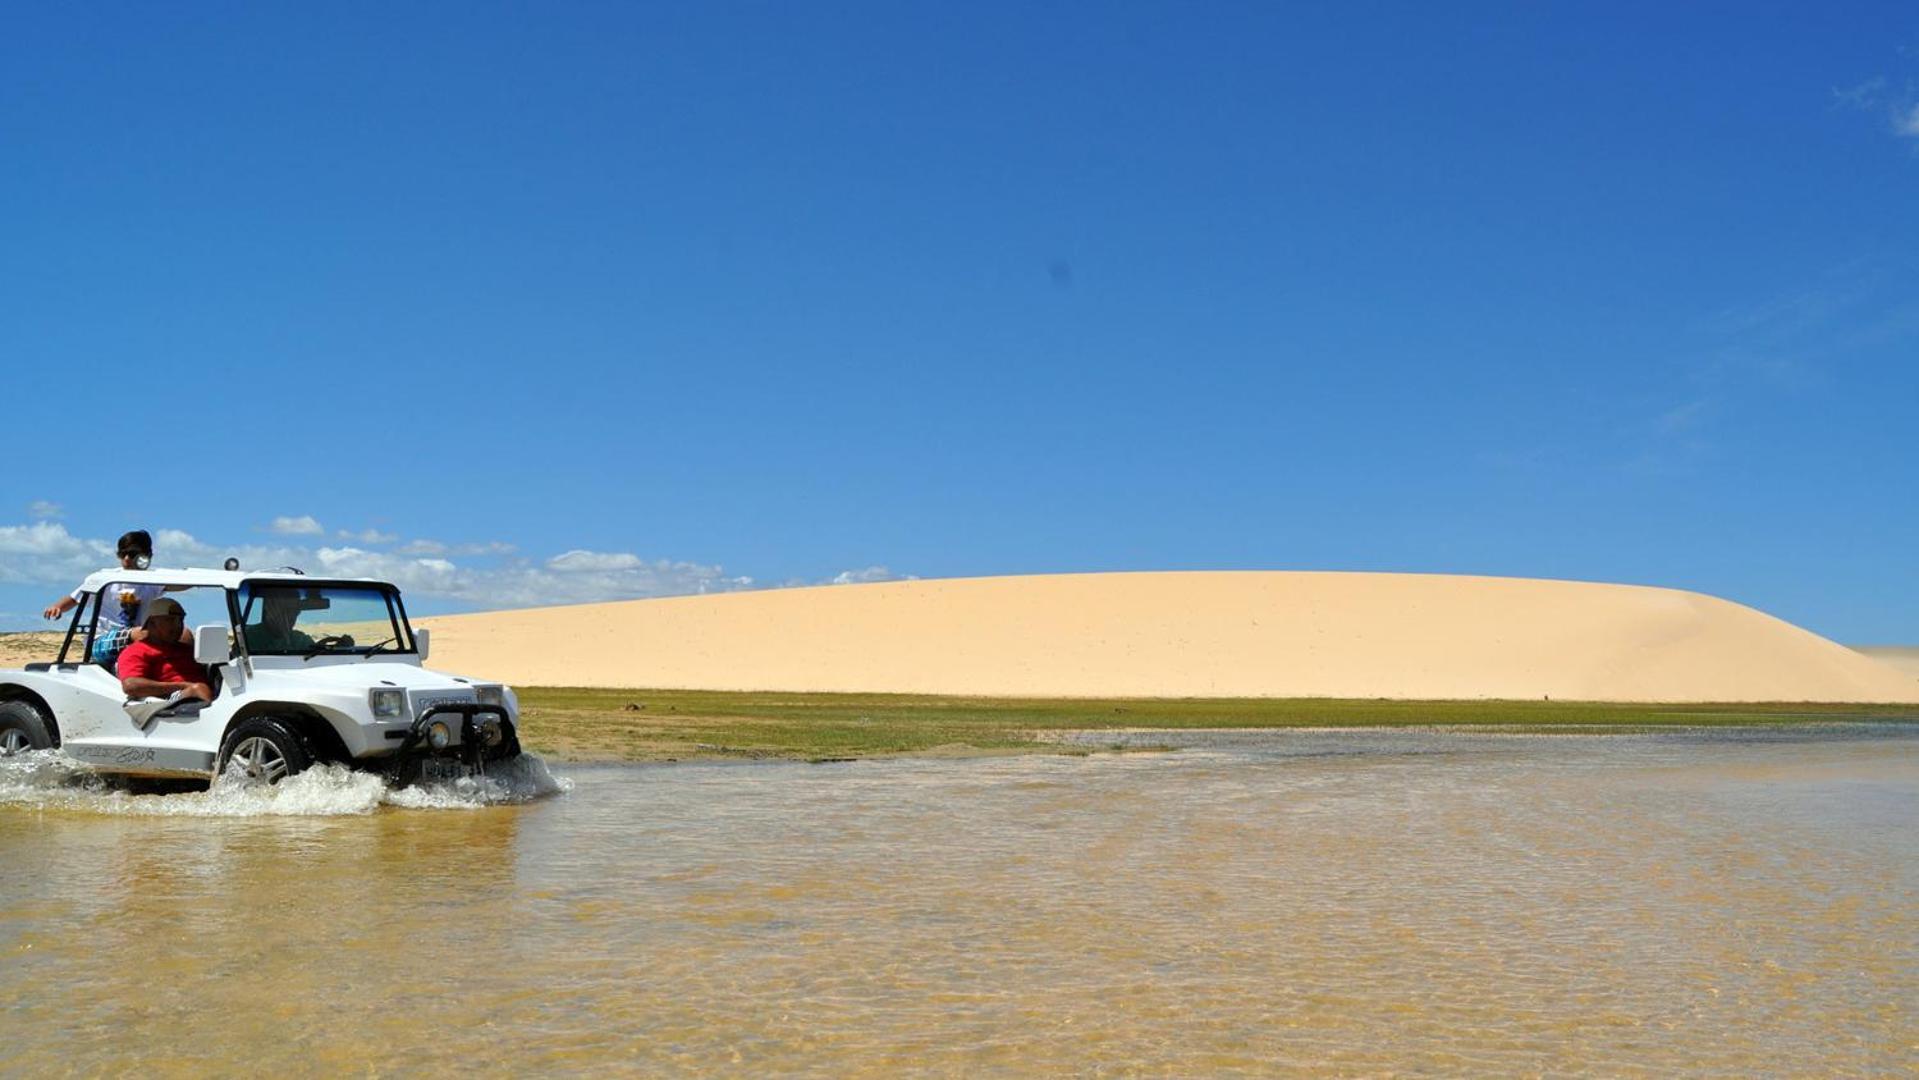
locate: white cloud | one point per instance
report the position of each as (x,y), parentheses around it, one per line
(581,576)
(45,553)
(436,577)
(1863,95)
(172,547)
(593,561)
(42,509)
(368,536)
(868,575)
(304,525)
(1879,95)
(435,547)
(41,538)
(574,577)
(1906,122)
(863,576)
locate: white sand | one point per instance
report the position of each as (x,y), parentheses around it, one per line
(1901,658)
(24,648)
(1182,635)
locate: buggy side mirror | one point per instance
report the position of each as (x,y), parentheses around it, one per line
(212,644)
(421,637)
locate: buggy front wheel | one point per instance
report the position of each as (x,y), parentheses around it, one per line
(264,750)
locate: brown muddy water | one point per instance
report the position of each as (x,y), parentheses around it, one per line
(1323,902)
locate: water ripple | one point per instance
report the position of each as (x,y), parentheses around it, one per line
(1430,902)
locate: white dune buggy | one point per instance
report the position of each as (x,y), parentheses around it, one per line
(303,670)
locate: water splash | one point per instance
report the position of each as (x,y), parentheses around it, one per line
(523,779)
(49,780)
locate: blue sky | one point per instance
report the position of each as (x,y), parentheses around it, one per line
(563,302)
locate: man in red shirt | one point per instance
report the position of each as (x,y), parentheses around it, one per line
(163,664)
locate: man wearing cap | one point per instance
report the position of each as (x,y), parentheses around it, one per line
(163,664)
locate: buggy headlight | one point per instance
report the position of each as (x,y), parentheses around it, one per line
(490,695)
(489,731)
(389,703)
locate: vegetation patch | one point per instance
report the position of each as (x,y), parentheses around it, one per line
(668,725)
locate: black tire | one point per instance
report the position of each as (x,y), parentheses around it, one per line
(508,749)
(23,727)
(264,749)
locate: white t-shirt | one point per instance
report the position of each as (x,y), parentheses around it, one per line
(114,605)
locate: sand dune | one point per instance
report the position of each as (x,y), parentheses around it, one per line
(1240,634)
(1901,658)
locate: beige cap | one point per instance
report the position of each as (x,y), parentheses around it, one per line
(161,607)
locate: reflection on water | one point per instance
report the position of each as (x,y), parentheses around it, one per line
(1336,902)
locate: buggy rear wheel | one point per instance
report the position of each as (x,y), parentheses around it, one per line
(23,728)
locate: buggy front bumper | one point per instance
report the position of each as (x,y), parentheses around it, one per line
(485,733)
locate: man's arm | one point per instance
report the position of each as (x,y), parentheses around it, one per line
(60,607)
(137,668)
(137,687)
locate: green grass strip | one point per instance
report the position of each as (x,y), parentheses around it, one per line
(665,725)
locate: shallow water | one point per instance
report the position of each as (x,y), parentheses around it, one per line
(1334,902)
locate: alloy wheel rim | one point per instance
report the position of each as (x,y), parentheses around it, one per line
(13,741)
(258,759)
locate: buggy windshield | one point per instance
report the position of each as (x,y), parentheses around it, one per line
(298,619)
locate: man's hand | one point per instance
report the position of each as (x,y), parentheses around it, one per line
(138,633)
(136,686)
(52,612)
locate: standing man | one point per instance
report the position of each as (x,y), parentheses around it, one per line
(123,606)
